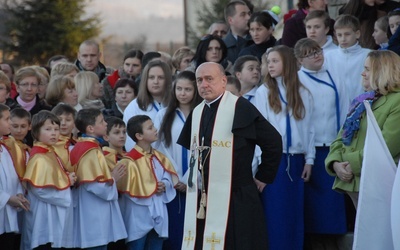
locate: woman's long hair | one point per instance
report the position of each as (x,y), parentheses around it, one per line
(290,80)
(144,98)
(202,47)
(166,124)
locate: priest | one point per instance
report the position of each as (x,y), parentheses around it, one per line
(224,210)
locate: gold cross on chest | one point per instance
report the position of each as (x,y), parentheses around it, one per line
(189,238)
(213,241)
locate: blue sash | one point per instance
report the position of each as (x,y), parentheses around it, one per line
(333,86)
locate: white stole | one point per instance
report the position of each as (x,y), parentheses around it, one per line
(220,178)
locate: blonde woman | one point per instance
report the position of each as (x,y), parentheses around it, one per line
(344,161)
(90,90)
(64,68)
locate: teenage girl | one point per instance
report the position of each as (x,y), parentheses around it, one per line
(153,95)
(170,121)
(287,105)
(324,208)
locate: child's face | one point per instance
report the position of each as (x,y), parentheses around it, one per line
(275,64)
(149,134)
(365,75)
(316,30)
(19,128)
(250,74)
(49,133)
(5,123)
(347,37)
(116,137)
(67,124)
(100,127)
(156,81)
(184,91)
(313,61)
(4,94)
(379,35)
(259,33)
(394,22)
(231,88)
(123,96)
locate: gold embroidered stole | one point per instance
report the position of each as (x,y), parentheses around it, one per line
(220,177)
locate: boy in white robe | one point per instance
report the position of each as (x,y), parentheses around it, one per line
(147,187)
(98,216)
(48,187)
(11,192)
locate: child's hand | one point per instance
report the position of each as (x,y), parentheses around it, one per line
(306,175)
(19,201)
(118,172)
(181,187)
(160,187)
(72,178)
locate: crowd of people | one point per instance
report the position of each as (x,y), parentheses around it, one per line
(248,142)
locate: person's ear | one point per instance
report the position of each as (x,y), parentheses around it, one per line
(238,74)
(90,129)
(326,30)
(106,138)
(358,34)
(139,136)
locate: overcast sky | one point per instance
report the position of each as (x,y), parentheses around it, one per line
(158,20)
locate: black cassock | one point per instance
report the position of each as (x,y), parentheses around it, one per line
(246,223)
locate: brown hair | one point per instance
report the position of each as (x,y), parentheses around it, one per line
(347,21)
(55,90)
(4,80)
(39,119)
(291,81)
(144,98)
(304,47)
(321,14)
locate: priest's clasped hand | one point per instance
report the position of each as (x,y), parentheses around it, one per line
(260,185)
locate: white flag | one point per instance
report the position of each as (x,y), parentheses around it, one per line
(373,220)
(396,211)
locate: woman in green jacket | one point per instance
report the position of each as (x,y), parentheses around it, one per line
(381,79)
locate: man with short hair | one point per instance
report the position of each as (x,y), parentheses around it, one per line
(219,29)
(89,58)
(237,14)
(227,128)
(54,60)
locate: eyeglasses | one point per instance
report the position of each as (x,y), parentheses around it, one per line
(314,54)
(26,85)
